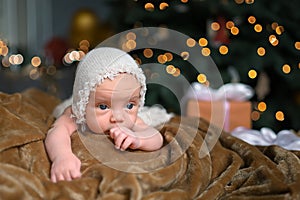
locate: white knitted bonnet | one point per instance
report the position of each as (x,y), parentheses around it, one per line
(98,64)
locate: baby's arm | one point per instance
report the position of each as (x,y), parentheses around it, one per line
(65,165)
(141,137)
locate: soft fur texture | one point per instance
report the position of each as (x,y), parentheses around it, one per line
(232,170)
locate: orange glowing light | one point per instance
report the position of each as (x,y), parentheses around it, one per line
(262,106)
(201,78)
(203,42)
(36,61)
(163,6)
(255,115)
(261,51)
(215,26)
(279,115)
(185,55)
(286,68)
(205,51)
(148,53)
(258,28)
(252,74)
(234,30)
(162,59)
(223,49)
(251,19)
(297,45)
(169,56)
(190,42)
(149,7)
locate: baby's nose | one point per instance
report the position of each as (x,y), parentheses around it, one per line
(117,117)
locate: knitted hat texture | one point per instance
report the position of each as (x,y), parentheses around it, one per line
(97,65)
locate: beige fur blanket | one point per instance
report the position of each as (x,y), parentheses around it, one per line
(232,169)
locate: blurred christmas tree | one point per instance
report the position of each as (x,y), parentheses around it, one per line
(258,39)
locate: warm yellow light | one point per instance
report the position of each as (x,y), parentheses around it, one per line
(177,73)
(273,40)
(239,1)
(184,1)
(249,1)
(252,74)
(185,55)
(279,115)
(229,24)
(279,30)
(169,56)
(223,49)
(262,106)
(203,42)
(234,30)
(130,36)
(36,61)
(130,44)
(34,74)
(163,6)
(258,28)
(261,51)
(205,51)
(190,42)
(251,19)
(286,68)
(297,45)
(170,69)
(162,59)
(149,7)
(215,26)
(148,53)
(274,25)
(255,115)
(201,78)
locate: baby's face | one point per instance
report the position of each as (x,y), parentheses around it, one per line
(114,103)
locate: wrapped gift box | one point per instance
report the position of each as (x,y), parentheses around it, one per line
(236,113)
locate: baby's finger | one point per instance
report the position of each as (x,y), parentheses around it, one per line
(114,132)
(75,174)
(60,177)
(119,140)
(126,143)
(53,178)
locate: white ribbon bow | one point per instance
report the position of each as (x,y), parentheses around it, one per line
(266,136)
(229,91)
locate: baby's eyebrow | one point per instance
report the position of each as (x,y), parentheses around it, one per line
(134,98)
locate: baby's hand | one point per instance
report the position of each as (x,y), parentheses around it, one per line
(65,167)
(124,138)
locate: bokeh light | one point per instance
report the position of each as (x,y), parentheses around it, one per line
(163,6)
(205,51)
(36,61)
(279,115)
(203,42)
(201,78)
(262,106)
(148,53)
(286,68)
(215,26)
(251,19)
(190,42)
(252,74)
(185,55)
(223,49)
(149,7)
(261,51)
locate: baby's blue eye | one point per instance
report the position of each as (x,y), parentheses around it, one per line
(103,107)
(129,106)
